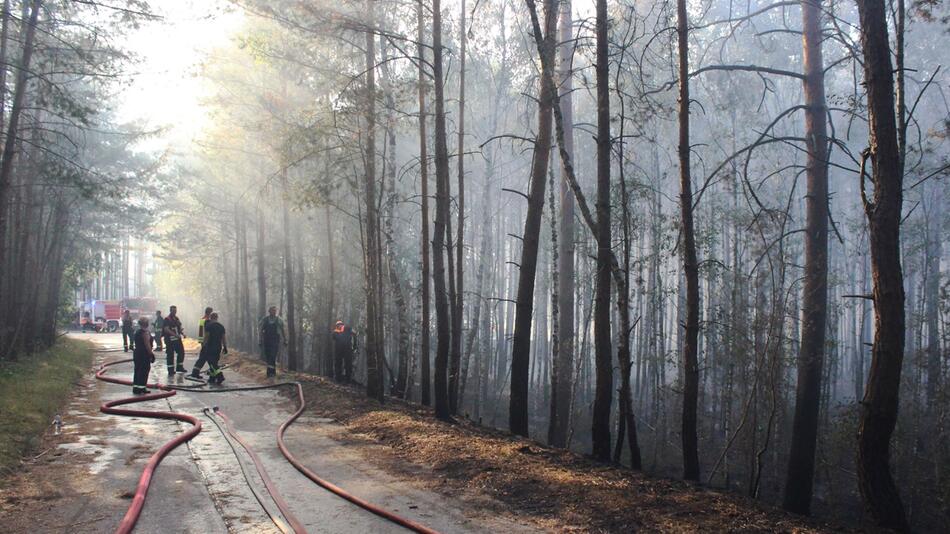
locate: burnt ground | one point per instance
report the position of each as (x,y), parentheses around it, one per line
(555,489)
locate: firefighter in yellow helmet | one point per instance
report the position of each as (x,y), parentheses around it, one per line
(202,353)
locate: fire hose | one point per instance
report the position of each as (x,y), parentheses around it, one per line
(268,484)
(138,501)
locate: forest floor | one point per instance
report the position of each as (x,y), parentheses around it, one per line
(556,489)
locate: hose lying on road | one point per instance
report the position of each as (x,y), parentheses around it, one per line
(141,490)
(260,470)
(132,515)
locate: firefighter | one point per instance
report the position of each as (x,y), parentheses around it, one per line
(142,358)
(214,343)
(344,346)
(128,342)
(201,323)
(202,355)
(271,334)
(87,323)
(157,326)
(174,333)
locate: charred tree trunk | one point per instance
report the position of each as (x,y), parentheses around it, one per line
(530,239)
(374,359)
(603,395)
(879,407)
(442,410)
(690,263)
(801,460)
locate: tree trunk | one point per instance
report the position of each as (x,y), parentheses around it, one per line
(424,348)
(524,307)
(690,264)
(562,368)
(879,407)
(932,295)
(374,361)
(457,303)
(603,395)
(292,362)
(16,109)
(331,299)
(4,39)
(261,276)
(442,410)
(479,297)
(402,309)
(801,460)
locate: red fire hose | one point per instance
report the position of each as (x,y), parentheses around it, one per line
(132,514)
(295,524)
(366,505)
(141,490)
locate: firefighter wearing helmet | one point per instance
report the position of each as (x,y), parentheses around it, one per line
(344,346)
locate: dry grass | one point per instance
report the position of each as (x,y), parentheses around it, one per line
(559,489)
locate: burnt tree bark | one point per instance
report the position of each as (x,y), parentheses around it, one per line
(690,263)
(603,394)
(524,307)
(801,460)
(881,395)
(374,358)
(442,320)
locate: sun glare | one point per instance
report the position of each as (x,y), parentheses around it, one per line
(167,90)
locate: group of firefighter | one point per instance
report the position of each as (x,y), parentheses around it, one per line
(166,333)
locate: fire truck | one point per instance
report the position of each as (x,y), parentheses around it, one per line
(106,315)
(100,315)
(140,306)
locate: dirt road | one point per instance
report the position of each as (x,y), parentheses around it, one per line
(83,479)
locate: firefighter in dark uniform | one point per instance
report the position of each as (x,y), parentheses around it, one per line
(214,343)
(344,346)
(271,334)
(128,341)
(173,345)
(157,325)
(142,358)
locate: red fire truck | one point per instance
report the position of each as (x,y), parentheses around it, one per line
(106,315)
(140,306)
(100,315)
